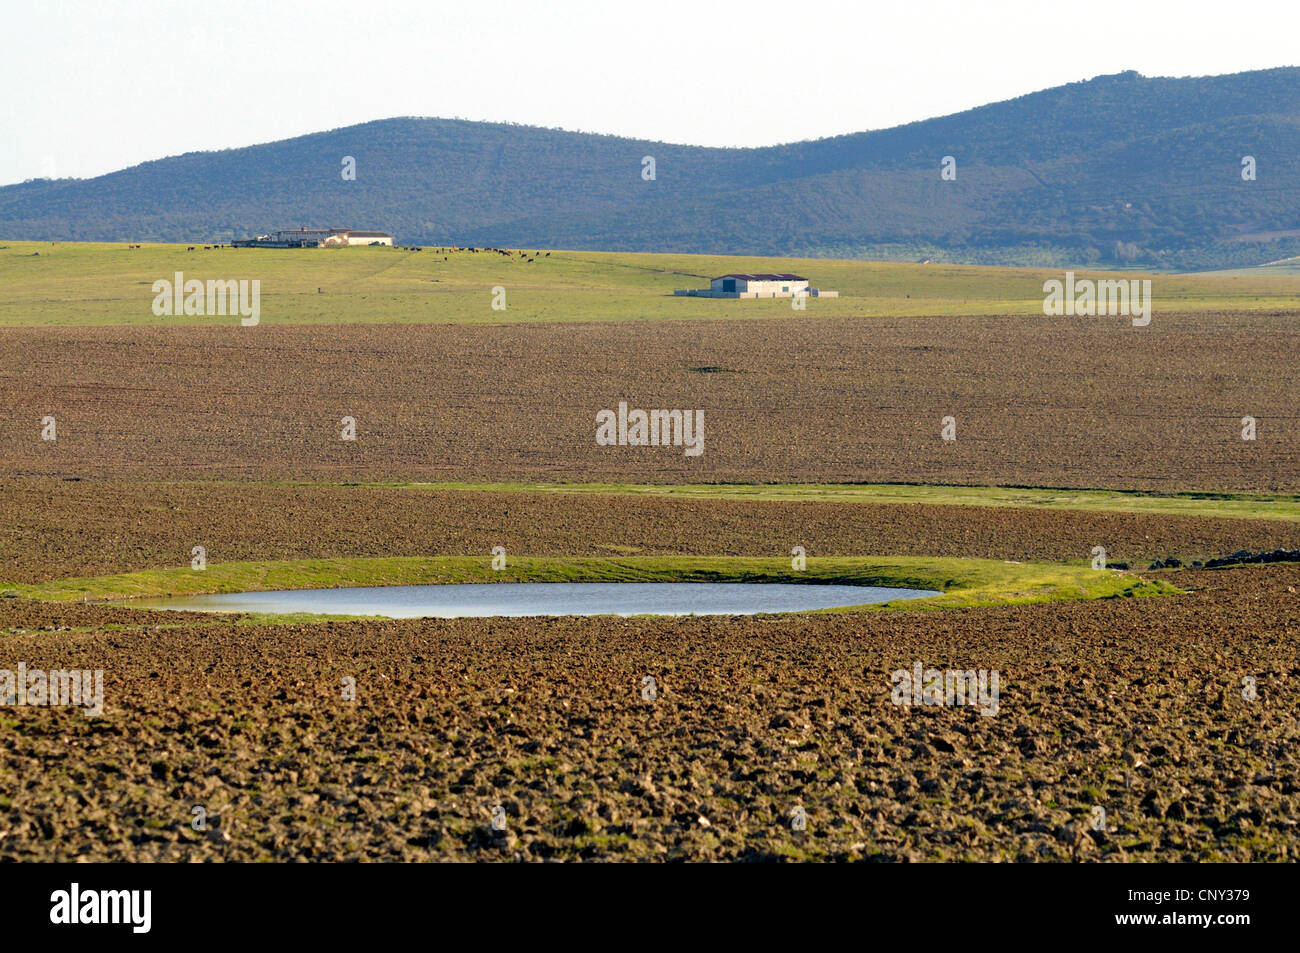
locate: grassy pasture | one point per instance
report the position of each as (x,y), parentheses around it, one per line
(107,284)
(1228,505)
(962,582)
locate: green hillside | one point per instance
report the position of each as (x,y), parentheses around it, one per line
(1120,171)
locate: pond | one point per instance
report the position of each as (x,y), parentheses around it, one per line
(544,599)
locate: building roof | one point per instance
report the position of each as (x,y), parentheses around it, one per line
(764,277)
(332,231)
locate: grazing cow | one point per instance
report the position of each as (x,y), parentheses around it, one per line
(548,254)
(191,248)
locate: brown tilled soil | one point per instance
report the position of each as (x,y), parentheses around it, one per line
(1143,708)
(1139,707)
(52,528)
(1038,401)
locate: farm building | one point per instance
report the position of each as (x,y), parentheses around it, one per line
(757,286)
(315,238)
(348,236)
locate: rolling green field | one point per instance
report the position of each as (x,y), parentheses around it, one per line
(107,284)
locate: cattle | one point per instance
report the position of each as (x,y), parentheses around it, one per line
(191,248)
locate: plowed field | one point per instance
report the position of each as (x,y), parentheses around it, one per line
(1137,707)
(51,528)
(515,739)
(1037,401)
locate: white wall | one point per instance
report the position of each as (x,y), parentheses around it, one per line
(773,287)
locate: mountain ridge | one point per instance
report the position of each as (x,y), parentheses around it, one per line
(1117,170)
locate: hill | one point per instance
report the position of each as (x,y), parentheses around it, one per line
(1121,170)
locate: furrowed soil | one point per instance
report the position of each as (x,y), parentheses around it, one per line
(51,529)
(1038,401)
(1179,716)
(1176,716)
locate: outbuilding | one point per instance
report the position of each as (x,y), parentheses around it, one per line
(758,285)
(761,285)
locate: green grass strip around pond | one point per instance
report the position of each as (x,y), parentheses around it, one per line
(1285,506)
(961,582)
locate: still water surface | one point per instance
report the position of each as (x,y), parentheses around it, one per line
(545,598)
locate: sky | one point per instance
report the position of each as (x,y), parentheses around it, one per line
(97,86)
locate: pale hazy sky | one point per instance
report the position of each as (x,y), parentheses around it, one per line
(95,86)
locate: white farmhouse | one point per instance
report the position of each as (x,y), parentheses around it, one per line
(315,238)
(349,236)
(331,236)
(761,285)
